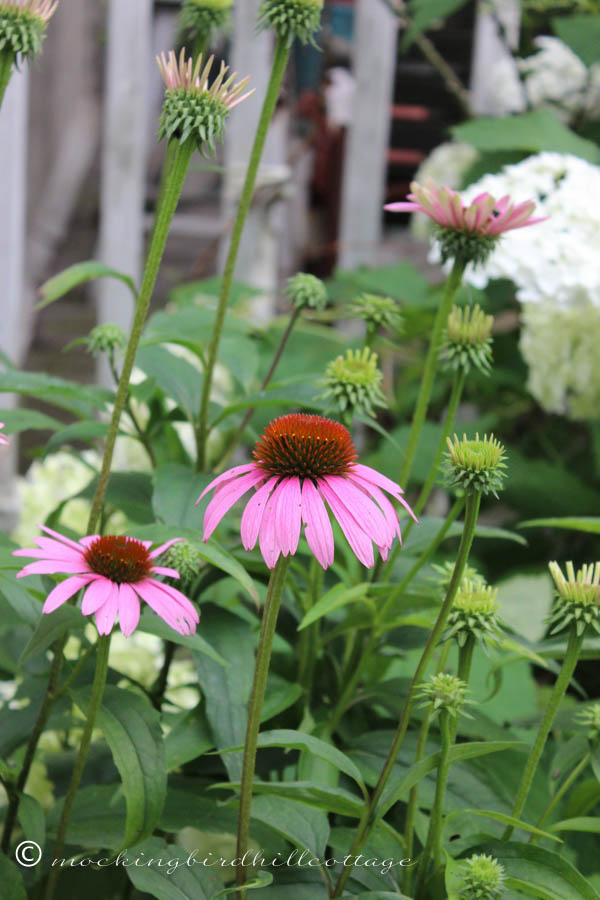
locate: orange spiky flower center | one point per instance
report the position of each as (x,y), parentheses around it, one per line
(121,559)
(305,445)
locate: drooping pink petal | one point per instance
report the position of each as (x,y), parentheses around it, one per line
(370,484)
(63,591)
(267,540)
(318,531)
(96,595)
(288,518)
(164,570)
(224,499)
(163,547)
(52,547)
(157,600)
(377,478)
(178,598)
(52,567)
(360,542)
(368,516)
(129,609)
(404,206)
(386,506)
(227,476)
(61,538)
(253,513)
(107,614)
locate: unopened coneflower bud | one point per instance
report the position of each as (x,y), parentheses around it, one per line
(304,290)
(199,17)
(467,340)
(577,597)
(474,613)
(186,559)
(476,465)
(108,338)
(589,718)
(195,108)
(377,312)
(354,381)
(446,692)
(23,26)
(292,18)
(446,570)
(483,878)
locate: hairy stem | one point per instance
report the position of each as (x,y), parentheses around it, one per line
(282,52)
(560,793)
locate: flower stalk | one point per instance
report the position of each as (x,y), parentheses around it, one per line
(371,813)
(261,671)
(282,53)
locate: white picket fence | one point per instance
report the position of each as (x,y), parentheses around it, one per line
(135,31)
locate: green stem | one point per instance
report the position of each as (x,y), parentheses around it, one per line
(282,52)
(560,793)
(452,286)
(7,60)
(457,389)
(558,692)
(265,382)
(409,829)
(465,659)
(165,212)
(261,671)
(86,739)
(309,637)
(371,813)
(437,813)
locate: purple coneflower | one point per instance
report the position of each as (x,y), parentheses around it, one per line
(181,74)
(44,9)
(117,572)
(303,462)
(3,438)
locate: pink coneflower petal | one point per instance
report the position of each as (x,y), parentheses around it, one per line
(385,505)
(3,438)
(187,608)
(53,567)
(227,476)
(404,206)
(162,605)
(367,515)
(253,514)
(96,595)
(375,477)
(288,518)
(61,538)
(267,540)
(359,541)
(160,550)
(166,571)
(129,609)
(106,616)
(319,533)
(226,496)
(64,591)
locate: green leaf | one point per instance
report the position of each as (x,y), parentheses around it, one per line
(32,819)
(17,420)
(175,376)
(335,800)
(80,399)
(150,623)
(538,872)
(581,34)
(582,523)
(305,827)
(189,738)
(175,882)
(337,597)
(97,818)
(132,730)
(590,824)
(80,431)
(11,880)
(501,817)
(532,132)
(281,694)
(130,492)
(176,489)
(70,278)
(401,281)
(394,792)
(19,598)
(525,602)
(425,13)
(195,293)
(50,628)
(262,879)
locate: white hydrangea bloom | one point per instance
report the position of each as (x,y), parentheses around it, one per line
(447,164)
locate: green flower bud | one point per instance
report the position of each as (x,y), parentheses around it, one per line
(292,18)
(474,612)
(355,382)
(108,338)
(185,559)
(466,246)
(446,571)
(23,26)
(192,108)
(199,17)
(467,340)
(475,465)
(306,290)
(377,312)
(590,718)
(446,692)
(577,598)
(483,878)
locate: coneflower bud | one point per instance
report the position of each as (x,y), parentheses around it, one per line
(199,17)
(305,290)
(467,340)
(590,718)
(577,597)
(446,570)
(483,878)
(355,382)
(446,692)
(292,18)
(193,108)
(377,312)
(108,338)
(23,26)
(185,559)
(474,613)
(477,465)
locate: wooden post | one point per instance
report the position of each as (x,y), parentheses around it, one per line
(15,302)
(489,49)
(121,241)
(368,137)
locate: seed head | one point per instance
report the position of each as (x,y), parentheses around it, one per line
(446,692)
(292,18)
(476,465)
(186,559)
(306,290)
(577,598)
(23,26)
(483,878)
(467,340)
(377,312)
(474,612)
(354,381)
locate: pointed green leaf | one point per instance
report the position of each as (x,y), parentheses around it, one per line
(70,278)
